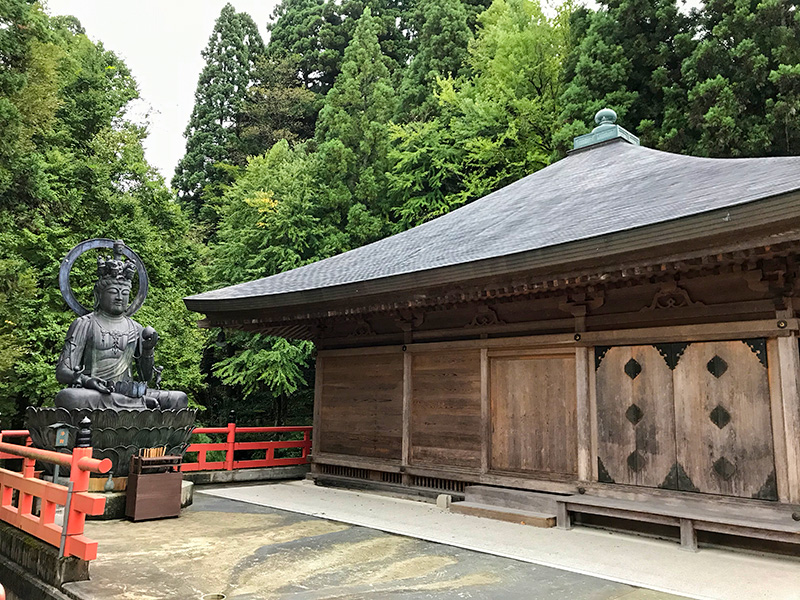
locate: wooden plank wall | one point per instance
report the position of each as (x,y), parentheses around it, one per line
(446,408)
(473,409)
(533,411)
(361,405)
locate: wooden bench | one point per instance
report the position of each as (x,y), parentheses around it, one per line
(778,523)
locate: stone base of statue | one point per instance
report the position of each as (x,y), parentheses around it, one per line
(116,434)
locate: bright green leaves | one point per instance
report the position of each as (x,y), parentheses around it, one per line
(75,170)
(269,362)
(494,126)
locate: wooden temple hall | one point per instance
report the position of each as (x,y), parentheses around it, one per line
(612,339)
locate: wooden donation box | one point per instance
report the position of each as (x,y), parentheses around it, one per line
(154,488)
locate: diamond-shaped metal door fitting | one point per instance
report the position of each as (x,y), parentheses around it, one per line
(632,368)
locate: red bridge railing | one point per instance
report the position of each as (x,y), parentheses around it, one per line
(19,490)
(12,434)
(230,446)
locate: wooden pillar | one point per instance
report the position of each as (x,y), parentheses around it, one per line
(407,399)
(789,363)
(486,413)
(316,432)
(778,426)
(583,414)
(593,412)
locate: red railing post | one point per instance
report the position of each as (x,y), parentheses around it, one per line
(230,445)
(79,481)
(26,500)
(77,503)
(231,441)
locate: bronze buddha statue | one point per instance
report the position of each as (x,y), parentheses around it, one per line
(104,346)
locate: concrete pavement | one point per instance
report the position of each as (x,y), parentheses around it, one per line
(715,574)
(249,551)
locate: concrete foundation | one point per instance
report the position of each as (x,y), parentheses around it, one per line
(187,493)
(19,584)
(30,568)
(246,475)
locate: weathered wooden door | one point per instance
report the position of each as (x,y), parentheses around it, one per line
(686,416)
(635,416)
(722,413)
(533,405)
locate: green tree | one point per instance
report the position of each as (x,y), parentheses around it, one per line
(441,52)
(630,60)
(352,139)
(277,107)
(28,99)
(743,80)
(269,226)
(495,126)
(474,9)
(312,31)
(17,288)
(94,182)
(392,20)
(319,31)
(212,133)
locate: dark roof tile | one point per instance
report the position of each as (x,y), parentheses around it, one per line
(597,191)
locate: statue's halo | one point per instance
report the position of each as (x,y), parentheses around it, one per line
(93,244)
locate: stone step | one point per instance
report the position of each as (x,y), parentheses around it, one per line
(509,498)
(525,517)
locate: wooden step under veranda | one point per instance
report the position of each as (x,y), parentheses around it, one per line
(511,515)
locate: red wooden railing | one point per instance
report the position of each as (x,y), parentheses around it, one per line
(15,433)
(77,503)
(230,446)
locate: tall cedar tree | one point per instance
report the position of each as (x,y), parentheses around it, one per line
(212,133)
(95,182)
(630,60)
(495,126)
(277,107)
(311,31)
(441,52)
(743,81)
(353,138)
(318,31)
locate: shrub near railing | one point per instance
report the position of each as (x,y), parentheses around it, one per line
(230,446)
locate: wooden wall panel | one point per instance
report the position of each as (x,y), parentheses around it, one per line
(722,414)
(446,408)
(533,406)
(635,416)
(361,410)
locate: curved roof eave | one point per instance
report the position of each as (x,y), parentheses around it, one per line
(613,193)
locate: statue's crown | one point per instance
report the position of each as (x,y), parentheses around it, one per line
(116,267)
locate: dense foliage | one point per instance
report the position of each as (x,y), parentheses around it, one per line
(358,119)
(73,168)
(212,140)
